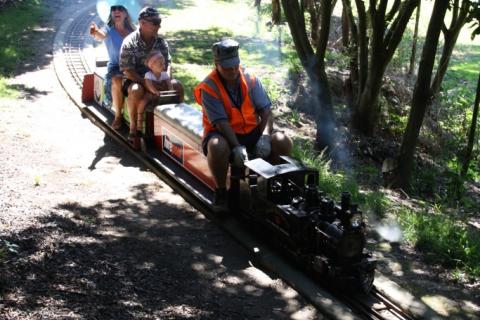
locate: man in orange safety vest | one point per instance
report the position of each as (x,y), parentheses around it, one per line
(236,118)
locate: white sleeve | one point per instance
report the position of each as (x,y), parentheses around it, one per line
(164,76)
(150,76)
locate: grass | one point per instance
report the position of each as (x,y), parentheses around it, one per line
(445,239)
(6,90)
(334,183)
(16,22)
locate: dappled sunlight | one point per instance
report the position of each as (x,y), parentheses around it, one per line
(184,310)
(252,290)
(440,304)
(215,258)
(259,276)
(198,266)
(197,250)
(233,280)
(304,313)
(396,268)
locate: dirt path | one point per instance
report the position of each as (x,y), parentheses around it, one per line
(87,233)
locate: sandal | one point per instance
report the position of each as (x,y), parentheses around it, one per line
(133,140)
(117,123)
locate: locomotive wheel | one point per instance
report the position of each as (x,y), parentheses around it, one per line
(364,280)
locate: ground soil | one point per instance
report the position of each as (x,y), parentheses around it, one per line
(87,233)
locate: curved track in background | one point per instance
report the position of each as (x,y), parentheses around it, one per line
(72,62)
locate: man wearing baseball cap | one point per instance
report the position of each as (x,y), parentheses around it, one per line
(133,52)
(236,118)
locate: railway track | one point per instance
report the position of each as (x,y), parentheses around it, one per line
(71,66)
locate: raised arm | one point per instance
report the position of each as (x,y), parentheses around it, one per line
(96,32)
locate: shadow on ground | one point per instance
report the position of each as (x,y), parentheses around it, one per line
(122,259)
(110,148)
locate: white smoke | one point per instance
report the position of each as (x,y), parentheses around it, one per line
(390,231)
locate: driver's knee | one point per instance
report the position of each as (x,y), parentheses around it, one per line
(281,144)
(218,148)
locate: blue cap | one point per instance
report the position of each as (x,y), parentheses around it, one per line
(226,53)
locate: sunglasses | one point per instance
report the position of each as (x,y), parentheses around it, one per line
(155,22)
(119,8)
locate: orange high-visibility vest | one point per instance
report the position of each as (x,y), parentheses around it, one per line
(242,120)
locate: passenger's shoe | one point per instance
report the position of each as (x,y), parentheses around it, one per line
(117,123)
(135,141)
(220,200)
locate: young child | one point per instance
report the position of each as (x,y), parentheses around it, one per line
(157,79)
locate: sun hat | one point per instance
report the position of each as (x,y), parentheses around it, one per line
(226,53)
(104,6)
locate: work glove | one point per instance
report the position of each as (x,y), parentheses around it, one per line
(239,156)
(263,148)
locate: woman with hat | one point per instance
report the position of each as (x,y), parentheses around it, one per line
(119,25)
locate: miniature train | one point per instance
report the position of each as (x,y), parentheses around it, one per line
(283,201)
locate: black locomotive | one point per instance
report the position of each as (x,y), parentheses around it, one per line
(326,239)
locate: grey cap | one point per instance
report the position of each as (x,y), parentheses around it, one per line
(150,14)
(226,53)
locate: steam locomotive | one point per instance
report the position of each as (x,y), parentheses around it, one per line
(282,200)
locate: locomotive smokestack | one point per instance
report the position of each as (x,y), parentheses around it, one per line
(345,201)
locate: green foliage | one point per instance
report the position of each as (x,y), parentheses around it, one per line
(329,181)
(274,91)
(16,22)
(174,5)
(377,203)
(424,181)
(337,58)
(6,90)
(334,183)
(294,116)
(294,64)
(189,78)
(445,239)
(194,46)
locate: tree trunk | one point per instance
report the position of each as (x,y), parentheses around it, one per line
(403,172)
(314,65)
(276,13)
(385,36)
(363,45)
(345,29)
(414,40)
(471,134)
(351,47)
(367,112)
(460,16)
